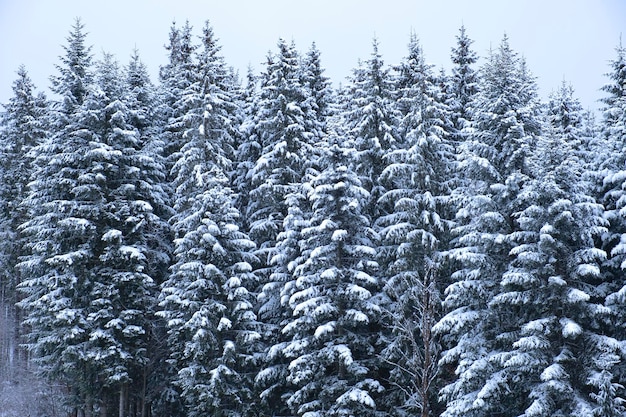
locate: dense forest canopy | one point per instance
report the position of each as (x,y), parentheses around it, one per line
(414,242)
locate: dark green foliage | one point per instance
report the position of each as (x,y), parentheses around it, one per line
(417,243)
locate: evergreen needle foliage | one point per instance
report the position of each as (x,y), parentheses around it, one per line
(412,243)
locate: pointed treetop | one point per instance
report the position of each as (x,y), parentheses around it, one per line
(617,87)
(209,40)
(23,122)
(75,69)
(181,49)
(108,76)
(463,55)
(76,39)
(23,85)
(174,43)
(376,61)
(137,72)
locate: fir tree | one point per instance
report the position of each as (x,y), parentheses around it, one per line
(611,192)
(506,110)
(206,300)
(208,305)
(549,296)
(273,376)
(414,233)
(463,83)
(564,115)
(611,376)
(613,126)
(208,120)
(177,77)
(56,286)
(282,283)
(24,126)
(92,273)
(371,121)
(142,101)
(320,92)
(75,75)
(333,333)
(283,122)
(494,161)
(249,148)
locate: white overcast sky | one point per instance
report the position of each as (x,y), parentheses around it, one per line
(570,40)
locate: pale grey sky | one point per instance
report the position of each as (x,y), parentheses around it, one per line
(561,39)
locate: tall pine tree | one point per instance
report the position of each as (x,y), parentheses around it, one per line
(371,122)
(284,123)
(55,298)
(334,332)
(206,300)
(612,379)
(177,77)
(549,299)
(24,126)
(463,83)
(95,209)
(494,161)
(415,233)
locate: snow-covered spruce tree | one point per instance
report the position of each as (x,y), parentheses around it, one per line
(273,375)
(92,271)
(595,145)
(249,148)
(333,334)
(207,303)
(74,76)
(141,100)
(126,204)
(493,162)
(56,287)
(283,110)
(613,123)
(320,92)
(601,366)
(414,233)
(549,303)
(288,254)
(370,118)
(208,120)
(141,97)
(283,124)
(463,84)
(613,168)
(564,115)
(206,300)
(176,78)
(22,127)
(506,110)
(611,194)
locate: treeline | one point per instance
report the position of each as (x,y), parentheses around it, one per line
(414,243)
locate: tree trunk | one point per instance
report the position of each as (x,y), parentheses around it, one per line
(88,408)
(122,405)
(425,331)
(104,409)
(143,393)
(429,301)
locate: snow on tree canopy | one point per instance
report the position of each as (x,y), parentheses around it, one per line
(415,242)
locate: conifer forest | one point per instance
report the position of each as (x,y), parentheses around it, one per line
(412,242)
